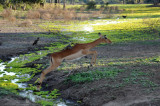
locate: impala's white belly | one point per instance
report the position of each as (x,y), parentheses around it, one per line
(75,56)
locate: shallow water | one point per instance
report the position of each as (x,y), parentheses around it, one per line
(2,67)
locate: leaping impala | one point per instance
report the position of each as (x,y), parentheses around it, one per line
(76,52)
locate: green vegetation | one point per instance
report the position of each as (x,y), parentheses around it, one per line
(1,7)
(139,77)
(93,75)
(7,86)
(45,94)
(4,92)
(45,103)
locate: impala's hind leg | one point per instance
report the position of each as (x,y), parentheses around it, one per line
(46,71)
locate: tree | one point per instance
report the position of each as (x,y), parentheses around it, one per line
(156,2)
(64,4)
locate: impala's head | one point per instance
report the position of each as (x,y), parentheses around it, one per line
(104,38)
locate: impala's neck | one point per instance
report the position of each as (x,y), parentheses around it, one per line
(95,43)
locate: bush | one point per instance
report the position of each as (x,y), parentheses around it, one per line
(6,13)
(91,5)
(33,15)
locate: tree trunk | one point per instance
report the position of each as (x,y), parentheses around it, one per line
(123,1)
(55,2)
(51,1)
(64,4)
(72,2)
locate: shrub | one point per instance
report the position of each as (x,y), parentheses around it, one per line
(26,23)
(33,15)
(12,19)
(6,13)
(46,16)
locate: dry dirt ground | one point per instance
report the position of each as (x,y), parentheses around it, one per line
(97,93)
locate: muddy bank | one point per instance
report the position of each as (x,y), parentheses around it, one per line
(12,100)
(9,99)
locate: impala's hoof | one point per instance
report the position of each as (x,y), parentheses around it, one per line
(90,66)
(38,86)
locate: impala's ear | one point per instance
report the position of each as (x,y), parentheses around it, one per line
(100,35)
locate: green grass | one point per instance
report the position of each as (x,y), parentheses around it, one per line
(94,75)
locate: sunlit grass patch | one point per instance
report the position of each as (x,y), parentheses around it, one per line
(117,30)
(9,86)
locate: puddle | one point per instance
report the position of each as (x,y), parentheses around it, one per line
(29,93)
(2,67)
(80,38)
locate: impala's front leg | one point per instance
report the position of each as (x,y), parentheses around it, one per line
(43,74)
(94,57)
(94,53)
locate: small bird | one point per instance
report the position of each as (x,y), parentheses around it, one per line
(36,41)
(124,16)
